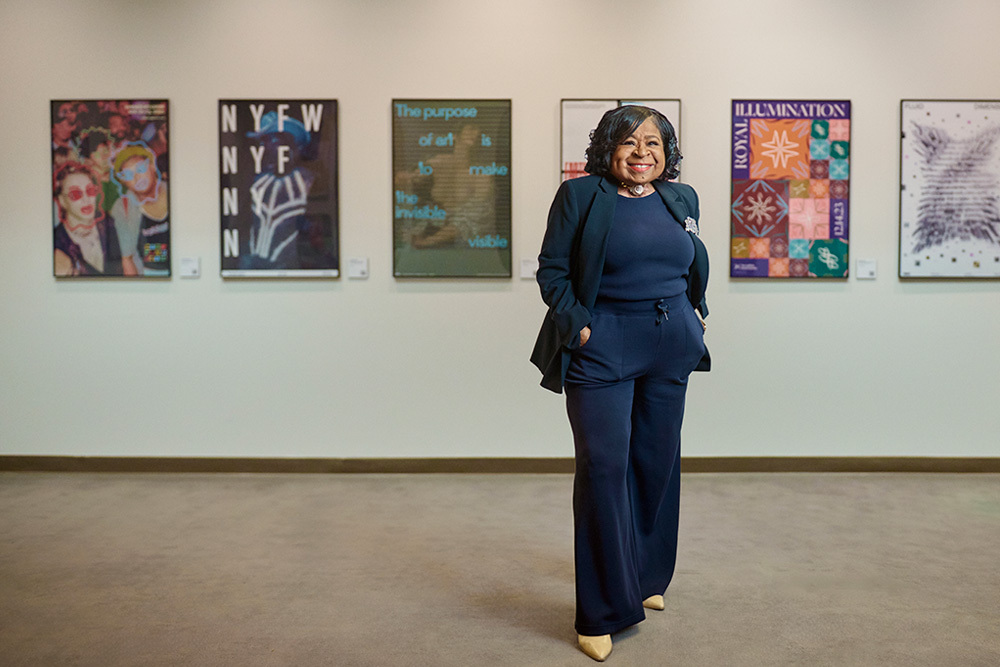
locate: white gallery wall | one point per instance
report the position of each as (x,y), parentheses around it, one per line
(439,368)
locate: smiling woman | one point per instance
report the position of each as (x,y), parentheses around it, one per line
(614,144)
(639,159)
(84,243)
(624,276)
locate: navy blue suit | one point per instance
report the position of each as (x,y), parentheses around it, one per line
(625,393)
(572,259)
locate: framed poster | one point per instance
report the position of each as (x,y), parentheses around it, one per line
(790,194)
(278,188)
(580,117)
(451,188)
(110,199)
(949,190)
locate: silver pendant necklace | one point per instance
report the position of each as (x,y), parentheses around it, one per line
(636,189)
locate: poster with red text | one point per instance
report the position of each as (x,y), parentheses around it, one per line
(580,117)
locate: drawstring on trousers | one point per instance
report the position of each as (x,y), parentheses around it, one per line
(664,311)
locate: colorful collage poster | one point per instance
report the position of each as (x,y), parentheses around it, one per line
(949,192)
(580,117)
(451,197)
(110,176)
(278,188)
(790,197)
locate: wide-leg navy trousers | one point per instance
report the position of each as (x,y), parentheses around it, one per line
(625,398)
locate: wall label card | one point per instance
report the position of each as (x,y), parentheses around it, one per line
(790,195)
(949,191)
(451,188)
(110,198)
(278,188)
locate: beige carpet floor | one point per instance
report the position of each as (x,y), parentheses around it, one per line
(774,569)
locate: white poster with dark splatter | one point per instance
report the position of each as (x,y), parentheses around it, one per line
(949,202)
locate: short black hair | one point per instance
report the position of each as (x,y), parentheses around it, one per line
(616,125)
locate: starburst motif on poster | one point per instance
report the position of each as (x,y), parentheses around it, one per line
(839,170)
(779,149)
(760,209)
(798,267)
(808,216)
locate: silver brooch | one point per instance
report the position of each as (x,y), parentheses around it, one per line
(690,225)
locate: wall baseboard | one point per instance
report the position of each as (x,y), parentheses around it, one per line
(839,464)
(720,464)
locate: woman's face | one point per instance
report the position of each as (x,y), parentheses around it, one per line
(78,199)
(137,175)
(639,158)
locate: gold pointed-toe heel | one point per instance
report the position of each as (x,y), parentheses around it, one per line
(598,647)
(654,602)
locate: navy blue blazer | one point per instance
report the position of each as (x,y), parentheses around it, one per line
(571,263)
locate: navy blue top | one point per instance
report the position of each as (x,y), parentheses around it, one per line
(648,252)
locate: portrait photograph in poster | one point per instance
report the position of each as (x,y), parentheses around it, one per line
(278,188)
(451,188)
(580,117)
(949,190)
(790,189)
(110,189)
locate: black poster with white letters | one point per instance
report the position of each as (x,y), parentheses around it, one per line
(278,188)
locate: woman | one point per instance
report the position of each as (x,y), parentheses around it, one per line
(84,243)
(624,275)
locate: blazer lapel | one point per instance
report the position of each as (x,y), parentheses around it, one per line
(594,241)
(601,215)
(673,201)
(604,202)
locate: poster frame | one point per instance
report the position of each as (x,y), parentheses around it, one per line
(159,161)
(622,101)
(749,267)
(905,174)
(330,167)
(435,275)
